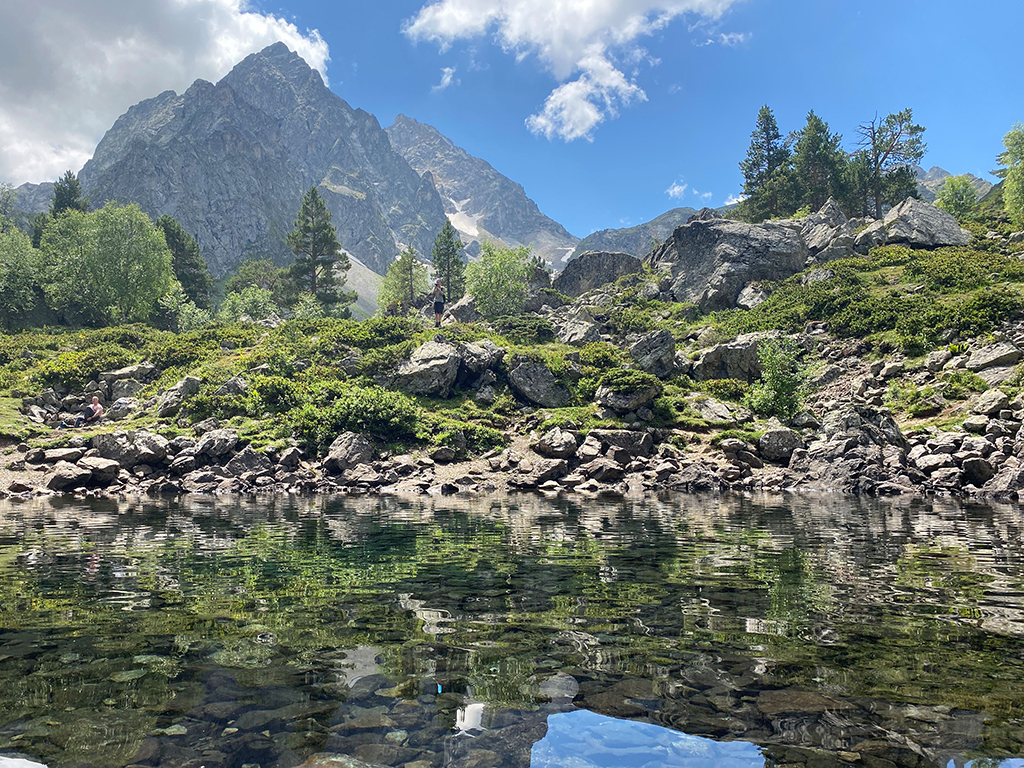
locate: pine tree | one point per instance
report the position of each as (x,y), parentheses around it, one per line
(818,162)
(768,179)
(1012,172)
(189,266)
(405,281)
(318,254)
(892,144)
(449,267)
(67,195)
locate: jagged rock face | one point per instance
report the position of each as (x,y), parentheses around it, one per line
(636,241)
(231,162)
(593,269)
(480,202)
(922,225)
(711,262)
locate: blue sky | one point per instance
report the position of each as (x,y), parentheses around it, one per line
(665,104)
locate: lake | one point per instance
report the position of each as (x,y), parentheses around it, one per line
(511,632)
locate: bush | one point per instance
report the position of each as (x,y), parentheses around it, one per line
(276,394)
(72,370)
(379,412)
(627,380)
(525,329)
(778,391)
(733,390)
(960,383)
(601,355)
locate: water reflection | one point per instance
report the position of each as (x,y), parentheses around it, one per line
(513,631)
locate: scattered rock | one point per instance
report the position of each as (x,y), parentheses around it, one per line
(536,383)
(592,269)
(430,370)
(655,353)
(349,449)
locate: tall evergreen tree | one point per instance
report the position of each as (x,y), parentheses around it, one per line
(892,144)
(856,185)
(818,162)
(67,195)
(449,267)
(189,266)
(768,179)
(1012,160)
(405,281)
(318,254)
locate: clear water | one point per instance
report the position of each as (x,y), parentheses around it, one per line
(518,631)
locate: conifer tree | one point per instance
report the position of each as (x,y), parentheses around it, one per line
(318,254)
(189,266)
(405,281)
(1012,172)
(891,144)
(768,179)
(67,195)
(818,162)
(449,267)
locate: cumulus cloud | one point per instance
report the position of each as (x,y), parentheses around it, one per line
(581,43)
(728,39)
(68,69)
(447,78)
(735,199)
(677,190)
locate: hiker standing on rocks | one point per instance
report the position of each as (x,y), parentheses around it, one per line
(438,296)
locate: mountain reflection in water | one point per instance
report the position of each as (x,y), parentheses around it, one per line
(514,631)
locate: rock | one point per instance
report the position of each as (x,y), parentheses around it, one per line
(592,269)
(70,455)
(821,228)
(736,359)
(602,470)
(481,355)
(66,477)
(443,454)
(990,403)
(145,372)
(183,464)
(248,460)
(778,444)
(463,311)
(931,462)
(937,359)
(20,487)
(976,424)
(930,406)
(172,400)
(922,225)
(634,442)
(103,471)
(752,296)
(542,471)
(977,471)
(216,443)
(710,262)
(717,412)
(624,401)
(536,383)
(556,443)
(578,328)
(125,388)
(150,447)
(290,458)
(996,355)
(430,370)
(121,409)
(117,446)
(349,449)
(655,353)
(1006,483)
(236,386)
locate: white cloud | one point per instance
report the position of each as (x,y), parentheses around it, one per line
(68,69)
(447,75)
(728,39)
(702,195)
(677,190)
(734,199)
(577,41)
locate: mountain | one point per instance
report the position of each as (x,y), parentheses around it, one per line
(637,240)
(481,203)
(930,183)
(231,162)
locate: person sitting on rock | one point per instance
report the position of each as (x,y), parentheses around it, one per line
(91,414)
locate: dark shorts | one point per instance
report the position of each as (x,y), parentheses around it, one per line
(438,307)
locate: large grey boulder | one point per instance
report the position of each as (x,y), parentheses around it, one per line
(144,372)
(997,355)
(478,356)
(349,449)
(536,383)
(578,328)
(236,386)
(633,442)
(655,353)
(125,388)
(736,359)
(217,443)
(592,269)
(822,227)
(150,447)
(102,471)
(778,444)
(557,443)
(175,397)
(66,477)
(247,460)
(463,311)
(430,370)
(624,401)
(710,262)
(922,225)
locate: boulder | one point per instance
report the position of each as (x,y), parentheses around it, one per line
(463,311)
(718,412)
(752,296)
(634,442)
(117,446)
(121,409)
(579,328)
(248,460)
(624,401)
(290,458)
(592,269)
(655,353)
(430,370)
(557,443)
(144,372)
(66,477)
(103,471)
(236,386)
(977,471)
(125,388)
(217,443)
(710,262)
(923,225)
(778,444)
(541,471)
(536,383)
(990,403)
(736,359)
(175,397)
(349,449)
(480,355)
(150,447)
(998,355)
(821,228)
(70,455)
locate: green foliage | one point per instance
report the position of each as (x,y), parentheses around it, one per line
(106,267)
(385,358)
(733,390)
(188,264)
(768,180)
(818,161)
(891,145)
(252,302)
(525,329)
(778,391)
(375,332)
(960,383)
(180,313)
(260,273)
(18,281)
(308,308)
(404,283)
(958,198)
(378,412)
(448,263)
(498,281)
(601,355)
(318,255)
(73,369)
(628,380)
(274,394)
(749,436)
(67,195)
(1012,160)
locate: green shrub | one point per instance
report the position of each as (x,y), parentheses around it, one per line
(525,329)
(385,358)
(778,391)
(961,382)
(378,412)
(74,369)
(601,356)
(733,390)
(628,379)
(275,394)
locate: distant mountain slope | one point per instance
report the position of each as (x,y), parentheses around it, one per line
(480,202)
(231,162)
(931,182)
(34,198)
(637,240)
